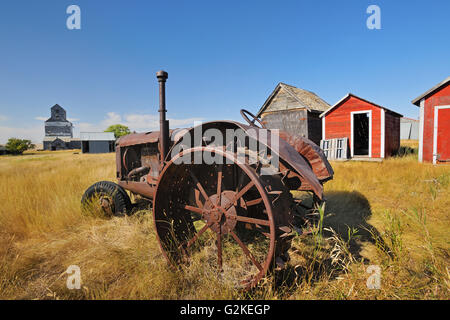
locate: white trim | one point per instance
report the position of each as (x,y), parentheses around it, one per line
(334,105)
(421,125)
(370,131)
(323,128)
(435,88)
(356,97)
(383,137)
(435,130)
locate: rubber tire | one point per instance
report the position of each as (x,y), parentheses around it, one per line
(122,203)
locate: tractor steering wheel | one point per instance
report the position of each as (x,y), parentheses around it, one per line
(244,114)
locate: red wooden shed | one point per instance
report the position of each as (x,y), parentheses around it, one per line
(434,123)
(372,131)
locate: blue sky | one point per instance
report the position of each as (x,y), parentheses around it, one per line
(221,56)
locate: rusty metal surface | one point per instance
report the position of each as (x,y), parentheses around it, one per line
(312,153)
(286,152)
(150,158)
(118,164)
(164,139)
(130,159)
(213,211)
(141,188)
(293,158)
(138,138)
(221,210)
(234,200)
(138,171)
(245,114)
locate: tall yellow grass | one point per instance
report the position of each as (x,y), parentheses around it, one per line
(399,209)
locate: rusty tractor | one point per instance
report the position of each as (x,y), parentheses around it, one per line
(224,198)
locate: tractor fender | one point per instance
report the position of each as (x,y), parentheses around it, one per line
(285,151)
(312,153)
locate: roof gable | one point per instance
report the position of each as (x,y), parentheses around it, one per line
(57,114)
(57,141)
(295,98)
(57,106)
(348,96)
(430,92)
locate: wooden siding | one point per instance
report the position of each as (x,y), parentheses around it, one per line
(443,135)
(338,122)
(392,134)
(440,98)
(282,101)
(295,111)
(293,122)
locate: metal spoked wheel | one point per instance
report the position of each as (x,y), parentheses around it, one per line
(228,213)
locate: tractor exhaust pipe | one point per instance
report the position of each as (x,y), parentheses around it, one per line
(163,123)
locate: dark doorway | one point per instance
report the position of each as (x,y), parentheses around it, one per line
(361,134)
(85,146)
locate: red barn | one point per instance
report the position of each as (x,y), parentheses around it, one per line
(434,123)
(372,131)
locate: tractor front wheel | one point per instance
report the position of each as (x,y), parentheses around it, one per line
(107,196)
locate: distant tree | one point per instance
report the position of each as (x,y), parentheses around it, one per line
(18,146)
(119,130)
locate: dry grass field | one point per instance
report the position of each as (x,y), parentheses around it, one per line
(393,214)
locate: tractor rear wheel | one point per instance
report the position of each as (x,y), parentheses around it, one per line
(236,220)
(111,198)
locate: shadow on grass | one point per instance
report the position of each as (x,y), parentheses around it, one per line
(405,151)
(348,210)
(343,210)
(140,205)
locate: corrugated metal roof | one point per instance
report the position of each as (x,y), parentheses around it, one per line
(97,136)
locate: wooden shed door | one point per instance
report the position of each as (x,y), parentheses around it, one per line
(442,134)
